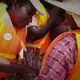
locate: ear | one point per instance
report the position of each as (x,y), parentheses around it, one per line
(76,18)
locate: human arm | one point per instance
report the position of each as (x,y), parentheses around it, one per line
(34,32)
(20,69)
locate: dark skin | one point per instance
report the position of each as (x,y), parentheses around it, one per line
(71,22)
(65,27)
(58,30)
(20,17)
(20,68)
(34,32)
(17,68)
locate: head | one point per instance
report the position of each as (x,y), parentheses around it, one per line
(20,12)
(72,7)
(75,18)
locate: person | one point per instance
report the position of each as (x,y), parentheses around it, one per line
(35,32)
(62,61)
(30,59)
(34,55)
(15,15)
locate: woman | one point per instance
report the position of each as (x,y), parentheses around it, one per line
(14,16)
(62,61)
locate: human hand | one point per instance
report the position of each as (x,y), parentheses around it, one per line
(54,16)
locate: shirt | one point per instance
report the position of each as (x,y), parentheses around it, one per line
(60,60)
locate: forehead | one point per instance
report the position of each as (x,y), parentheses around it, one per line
(26,7)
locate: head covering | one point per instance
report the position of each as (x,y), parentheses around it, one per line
(69,5)
(38,5)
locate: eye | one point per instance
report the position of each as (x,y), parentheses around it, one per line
(30,13)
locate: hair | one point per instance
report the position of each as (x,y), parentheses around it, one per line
(13,3)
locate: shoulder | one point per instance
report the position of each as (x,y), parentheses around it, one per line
(65,51)
(67,42)
(65,46)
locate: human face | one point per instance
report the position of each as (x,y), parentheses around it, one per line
(21,16)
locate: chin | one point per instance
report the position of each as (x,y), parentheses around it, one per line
(19,27)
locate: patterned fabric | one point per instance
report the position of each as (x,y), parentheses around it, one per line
(61,58)
(32,61)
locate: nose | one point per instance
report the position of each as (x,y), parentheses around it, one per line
(30,19)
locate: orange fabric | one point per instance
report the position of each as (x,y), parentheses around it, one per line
(50,47)
(10,43)
(12,46)
(74,73)
(4,75)
(53,45)
(9,46)
(44,46)
(41,44)
(42,19)
(22,33)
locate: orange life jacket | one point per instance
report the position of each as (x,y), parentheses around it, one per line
(42,19)
(74,73)
(40,46)
(10,42)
